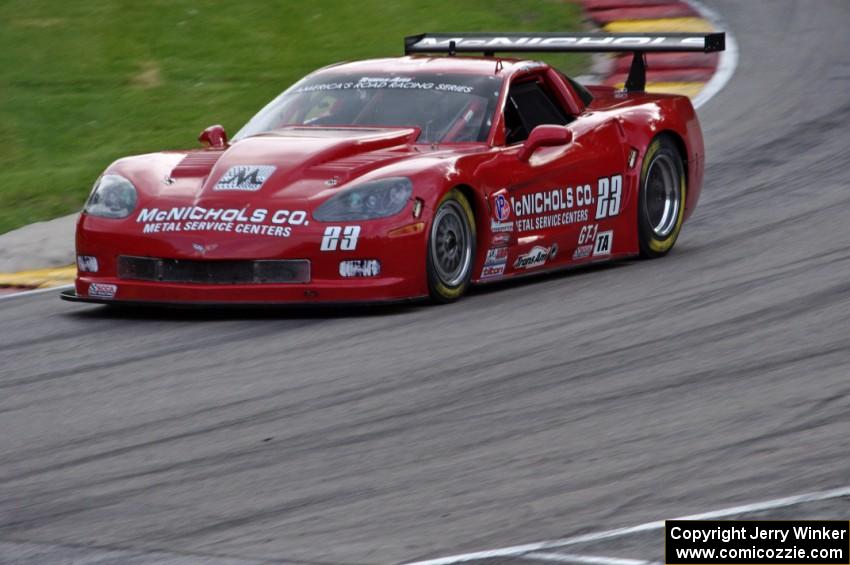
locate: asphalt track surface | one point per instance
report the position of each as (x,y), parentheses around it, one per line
(572,403)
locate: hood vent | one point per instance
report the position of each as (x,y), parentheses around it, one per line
(197,164)
(356,163)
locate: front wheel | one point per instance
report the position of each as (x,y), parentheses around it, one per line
(661,203)
(451,248)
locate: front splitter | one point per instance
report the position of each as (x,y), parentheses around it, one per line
(72,296)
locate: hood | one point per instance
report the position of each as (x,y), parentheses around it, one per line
(279,162)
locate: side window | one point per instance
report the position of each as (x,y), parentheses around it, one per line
(528,106)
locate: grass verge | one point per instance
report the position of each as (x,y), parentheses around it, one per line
(83,83)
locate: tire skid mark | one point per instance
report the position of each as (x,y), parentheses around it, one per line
(245,334)
(703,378)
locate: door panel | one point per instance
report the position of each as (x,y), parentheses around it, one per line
(568,203)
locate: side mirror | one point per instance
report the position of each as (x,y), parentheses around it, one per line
(214,136)
(544,136)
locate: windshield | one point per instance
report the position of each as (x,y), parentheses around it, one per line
(447,108)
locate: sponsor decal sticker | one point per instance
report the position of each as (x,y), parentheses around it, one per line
(496,255)
(360,268)
(495,262)
(536,257)
(244,177)
(500,239)
(604,241)
(493,271)
(389,82)
(591,241)
(101,290)
(502,208)
(587,233)
(585,241)
(501,227)
(582,251)
(566,40)
(198,219)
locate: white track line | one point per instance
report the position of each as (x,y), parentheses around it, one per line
(648,526)
(728,58)
(37,291)
(589,559)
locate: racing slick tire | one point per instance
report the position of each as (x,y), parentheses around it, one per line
(451,248)
(661,200)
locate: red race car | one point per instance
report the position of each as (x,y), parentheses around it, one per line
(404,178)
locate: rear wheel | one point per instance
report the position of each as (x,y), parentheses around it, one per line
(661,203)
(451,248)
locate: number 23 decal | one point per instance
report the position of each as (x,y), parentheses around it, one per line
(609,192)
(344,237)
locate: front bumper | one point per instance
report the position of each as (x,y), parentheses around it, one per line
(402,273)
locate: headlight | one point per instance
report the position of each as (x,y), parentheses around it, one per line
(113,196)
(376,199)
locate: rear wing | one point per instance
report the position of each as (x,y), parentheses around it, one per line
(637,43)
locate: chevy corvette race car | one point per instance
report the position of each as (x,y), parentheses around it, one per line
(404,178)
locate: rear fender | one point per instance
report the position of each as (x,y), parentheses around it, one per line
(673,115)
